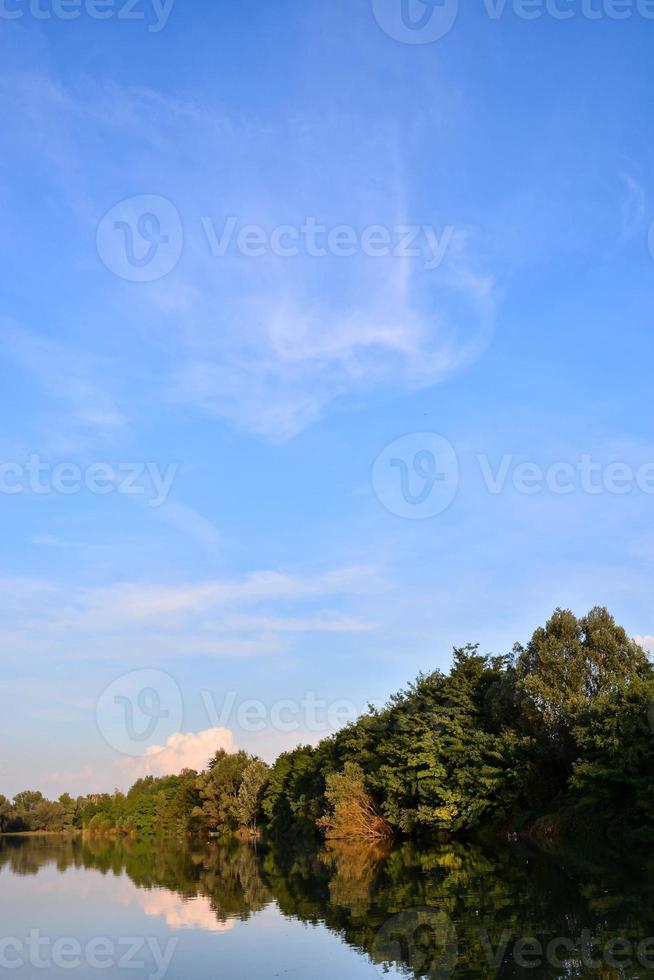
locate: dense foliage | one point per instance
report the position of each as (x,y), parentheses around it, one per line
(561,727)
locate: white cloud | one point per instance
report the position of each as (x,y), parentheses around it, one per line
(646,642)
(294,358)
(291,624)
(270,343)
(81,382)
(132,602)
(633,206)
(192,524)
(232,617)
(190,751)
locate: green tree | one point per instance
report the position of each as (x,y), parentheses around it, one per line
(571,661)
(6,814)
(566,666)
(447,765)
(294,797)
(250,793)
(614,772)
(219,787)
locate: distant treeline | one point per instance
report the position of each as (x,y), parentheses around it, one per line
(555,736)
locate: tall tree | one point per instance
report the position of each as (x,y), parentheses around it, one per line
(219,787)
(6,814)
(570,661)
(250,793)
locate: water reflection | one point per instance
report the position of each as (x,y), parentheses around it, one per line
(450,910)
(184,913)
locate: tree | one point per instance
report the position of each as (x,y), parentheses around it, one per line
(219,787)
(294,796)
(250,793)
(562,725)
(352,811)
(447,762)
(6,814)
(614,772)
(570,662)
(67,814)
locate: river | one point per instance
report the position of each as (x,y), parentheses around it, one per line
(78,908)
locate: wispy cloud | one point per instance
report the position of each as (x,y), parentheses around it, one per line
(633,207)
(79,385)
(269,343)
(237,617)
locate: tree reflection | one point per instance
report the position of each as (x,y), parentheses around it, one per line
(447,909)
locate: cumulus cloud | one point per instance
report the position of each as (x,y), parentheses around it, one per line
(182,751)
(646,642)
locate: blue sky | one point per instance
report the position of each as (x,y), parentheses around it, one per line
(280,561)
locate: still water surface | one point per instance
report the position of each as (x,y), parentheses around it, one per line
(74,908)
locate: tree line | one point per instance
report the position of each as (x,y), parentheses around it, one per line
(555,736)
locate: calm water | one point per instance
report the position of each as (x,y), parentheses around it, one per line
(72,908)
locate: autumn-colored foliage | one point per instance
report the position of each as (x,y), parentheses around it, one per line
(352,812)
